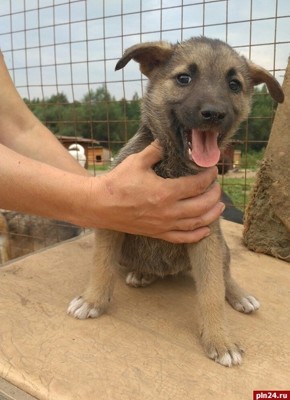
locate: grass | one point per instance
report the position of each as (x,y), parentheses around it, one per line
(103,167)
(251,159)
(238,189)
(238,186)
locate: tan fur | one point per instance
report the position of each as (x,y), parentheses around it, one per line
(168,111)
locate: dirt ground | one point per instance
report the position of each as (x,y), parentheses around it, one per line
(146,346)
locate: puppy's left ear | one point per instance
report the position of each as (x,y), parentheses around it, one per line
(149,55)
(261,75)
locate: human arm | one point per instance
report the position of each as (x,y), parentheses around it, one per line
(146,204)
(22,132)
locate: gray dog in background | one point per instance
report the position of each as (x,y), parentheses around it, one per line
(199,91)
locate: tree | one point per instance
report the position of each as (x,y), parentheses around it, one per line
(255,132)
(54,113)
(101,117)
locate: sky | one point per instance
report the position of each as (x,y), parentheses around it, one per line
(53,46)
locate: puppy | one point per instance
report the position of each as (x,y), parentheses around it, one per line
(199,91)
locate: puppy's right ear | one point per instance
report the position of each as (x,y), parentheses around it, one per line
(261,75)
(149,55)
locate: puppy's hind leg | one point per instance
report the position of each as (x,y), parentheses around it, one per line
(138,279)
(238,298)
(98,293)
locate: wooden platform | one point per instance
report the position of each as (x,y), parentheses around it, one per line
(146,347)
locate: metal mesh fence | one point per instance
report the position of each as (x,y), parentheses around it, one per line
(62,54)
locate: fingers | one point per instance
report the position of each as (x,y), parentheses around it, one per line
(198,214)
(197,228)
(189,186)
(199,205)
(183,187)
(189,224)
(156,144)
(151,155)
(192,230)
(179,237)
(176,210)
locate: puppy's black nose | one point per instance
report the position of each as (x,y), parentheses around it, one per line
(212,115)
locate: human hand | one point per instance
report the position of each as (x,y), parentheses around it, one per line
(135,200)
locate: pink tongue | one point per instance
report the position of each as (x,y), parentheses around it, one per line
(205,151)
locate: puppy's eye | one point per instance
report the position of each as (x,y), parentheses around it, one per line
(235,85)
(183,79)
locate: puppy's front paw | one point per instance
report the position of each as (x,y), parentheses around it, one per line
(247,304)
(219,347)
(227,356)
(81,309)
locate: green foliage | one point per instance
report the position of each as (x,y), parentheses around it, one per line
(238,189)
(254,133)
(97,116)
(250,160)
(113,122)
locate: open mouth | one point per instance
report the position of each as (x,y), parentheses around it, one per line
(203,147)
